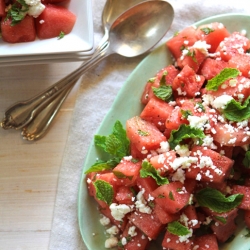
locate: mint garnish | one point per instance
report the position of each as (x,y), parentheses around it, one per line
(216,201)
(234,111)
(164,93)
(225,74)
(104,191)
(184,132)
(148,170)
(177,228)
(101,166)
(207,30)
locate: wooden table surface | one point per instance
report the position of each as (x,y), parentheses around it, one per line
(29,170)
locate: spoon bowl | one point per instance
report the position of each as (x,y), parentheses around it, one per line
(138,30)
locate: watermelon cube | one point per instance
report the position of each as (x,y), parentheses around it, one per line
(21,32)
(157,112)
(124,195)
(237,189)
(182,39)
(242,63)
(211,166)
(188,83)
(213,34)
(204,242)
(149,224)
(2,8)
(171,197)
(54,20)
(137,240)
(143,134)
(172,241)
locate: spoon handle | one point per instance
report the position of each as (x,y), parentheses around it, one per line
(38,127)
(21,113)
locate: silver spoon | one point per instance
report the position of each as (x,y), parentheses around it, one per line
(38,127)
(149,21)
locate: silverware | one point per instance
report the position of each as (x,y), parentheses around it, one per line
(150,21)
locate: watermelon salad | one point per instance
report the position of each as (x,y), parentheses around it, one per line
(179,172)
(26,20)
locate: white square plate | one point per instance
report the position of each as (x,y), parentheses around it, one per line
(79,40)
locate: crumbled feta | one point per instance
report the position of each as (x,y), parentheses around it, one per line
(119,211)
(111,242)
(198,121)
(221,101)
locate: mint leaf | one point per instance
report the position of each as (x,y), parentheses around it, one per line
(234,111)
(246,160)
(164,93)
(216,201)
(104,191)
(116,144)
(224,75)
(207,30)
(148,170)
(17,12)
(177,228)
(102,166)
(184,132)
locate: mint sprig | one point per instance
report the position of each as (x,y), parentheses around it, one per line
(148,170)
(225,74)
(234,111)
(177,228)
(216,201)
(184,132)
(104,191)
(117,145)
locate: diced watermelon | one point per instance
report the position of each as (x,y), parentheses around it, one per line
(147,184)
(222,218)
(136,241)
(211,67)
(54,20)
(241,62)
(205,242)
(188,83)
(157,111)
(126,172)
(182,39)
(213,34)
(143,134)
(237,189)
(171,197)
(22,32)
(2,8)
(211,166)
(190,212)
(147,223)
(136,153)
(236,136)
(172,241)
(193,59)
(232,45)
(124,195)
(224,231)
(175,119)
(162,162)
(163,216)
(170,73)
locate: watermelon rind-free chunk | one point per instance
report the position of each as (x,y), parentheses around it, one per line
(53,21)
(23,31)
